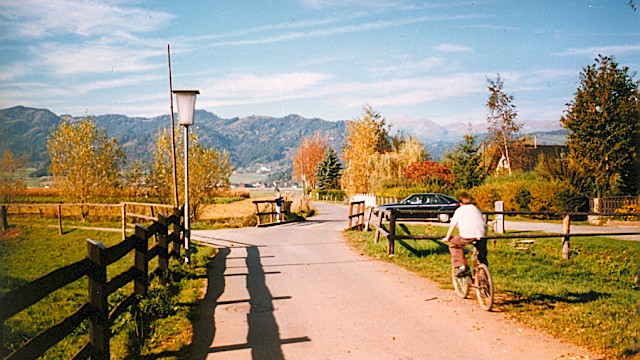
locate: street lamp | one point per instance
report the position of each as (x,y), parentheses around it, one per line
(186,100)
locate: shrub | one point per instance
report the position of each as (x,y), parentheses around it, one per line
(338,195)
(485,196)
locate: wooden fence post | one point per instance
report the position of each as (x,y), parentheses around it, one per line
(99,332)
(350,213)
(3,214)
(59,219)
(499,218)
(566,228)
(392,234)
(257,213)
(176,230)
(124,221)
(141,284)
(376,236)
(163,259)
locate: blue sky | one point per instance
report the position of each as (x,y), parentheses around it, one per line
(410,60)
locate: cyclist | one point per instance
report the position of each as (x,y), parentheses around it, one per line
(472,227)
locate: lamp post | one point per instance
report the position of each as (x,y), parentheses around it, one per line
(186,101)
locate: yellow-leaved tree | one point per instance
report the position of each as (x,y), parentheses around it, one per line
(209,170)
(388,168)
(307,158)
(85,162)
(366,137)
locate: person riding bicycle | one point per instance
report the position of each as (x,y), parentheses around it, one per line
(472,227)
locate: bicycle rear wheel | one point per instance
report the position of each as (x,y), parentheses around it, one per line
(484,289)
(461,285)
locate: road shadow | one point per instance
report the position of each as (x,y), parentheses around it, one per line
(204,328)
(263,336)
(442,248)
(550,301)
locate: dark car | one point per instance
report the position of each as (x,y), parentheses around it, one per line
(428,201)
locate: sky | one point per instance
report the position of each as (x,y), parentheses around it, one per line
(409,60)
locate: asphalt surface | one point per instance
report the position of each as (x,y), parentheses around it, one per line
(297,291)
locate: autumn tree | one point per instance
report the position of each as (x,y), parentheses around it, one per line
(388,167)
(307,158)
(429,173)
(85,162)
(465,162)
(328,171)
(604,128)
(209,170)
(10,182)
(365,137)
(502,119)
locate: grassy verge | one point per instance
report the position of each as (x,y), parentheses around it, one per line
(31,251)
(591,300)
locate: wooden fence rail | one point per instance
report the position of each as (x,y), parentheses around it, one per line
(130,212)
(388,219)
(269,210)
(96,309)
(359,215)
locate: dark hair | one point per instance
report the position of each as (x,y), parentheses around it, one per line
(465,198)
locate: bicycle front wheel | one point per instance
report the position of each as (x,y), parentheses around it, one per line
(484,289)
(460,284)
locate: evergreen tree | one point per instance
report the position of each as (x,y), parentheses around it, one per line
(604,129)
(328,171)
(465,162)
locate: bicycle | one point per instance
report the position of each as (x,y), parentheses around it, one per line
(480,280)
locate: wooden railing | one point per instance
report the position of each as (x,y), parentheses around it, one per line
(388,219)
(268,211)
(128,211)
(359,215)
(611,204)
(96,309)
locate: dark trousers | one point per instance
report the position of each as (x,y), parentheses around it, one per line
(456,248)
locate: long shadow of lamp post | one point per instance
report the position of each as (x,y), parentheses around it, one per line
(186,100)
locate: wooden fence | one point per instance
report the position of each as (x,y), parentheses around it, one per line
(268,212)
(96,310)
(131,213)
(611,204)
(388,220)
(359,214)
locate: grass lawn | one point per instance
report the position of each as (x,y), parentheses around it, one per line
(591,300)
(31,251)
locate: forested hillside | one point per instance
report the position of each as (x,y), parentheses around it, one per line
(250,140)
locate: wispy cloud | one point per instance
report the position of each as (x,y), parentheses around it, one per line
(452,48)
(339,30)
(255,89)
(86,18)
(604,50)
(95,58)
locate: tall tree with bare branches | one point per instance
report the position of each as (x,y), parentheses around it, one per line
(502,119)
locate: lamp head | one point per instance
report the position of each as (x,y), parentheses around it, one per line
(186,101)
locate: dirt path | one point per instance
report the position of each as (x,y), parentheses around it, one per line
(297,291)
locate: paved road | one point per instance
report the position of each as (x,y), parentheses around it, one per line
(297,291)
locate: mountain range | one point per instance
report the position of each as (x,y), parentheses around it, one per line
(250,140)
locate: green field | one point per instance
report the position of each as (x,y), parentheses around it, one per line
(31,251)
(591,299)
